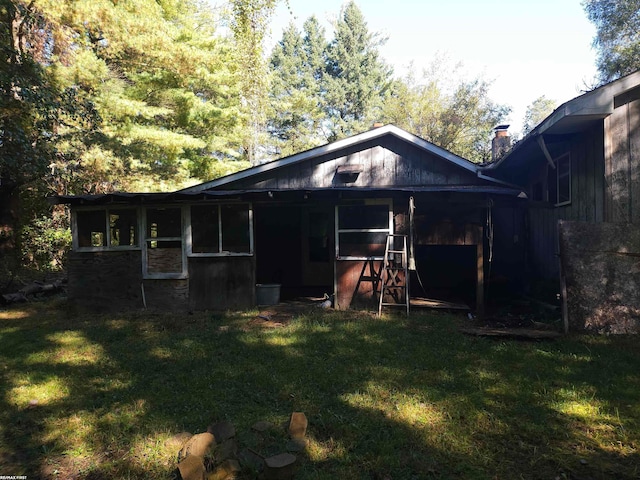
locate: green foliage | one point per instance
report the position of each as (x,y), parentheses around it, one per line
(323,91)
(445,108)
(617,36)
(36,111)
(249,23)
(297,89)
(537,111)
(45,242)
(357,78)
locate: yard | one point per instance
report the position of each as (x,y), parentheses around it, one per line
(101,397)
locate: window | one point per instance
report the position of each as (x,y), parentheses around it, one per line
(362,230)
(559,181)
(91,227)
(163,243)
(221,230)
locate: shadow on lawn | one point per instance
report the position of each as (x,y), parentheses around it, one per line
(389,398)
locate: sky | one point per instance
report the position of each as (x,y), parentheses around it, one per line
(526,48)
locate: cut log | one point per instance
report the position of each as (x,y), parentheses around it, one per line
(33,289)
(279,467)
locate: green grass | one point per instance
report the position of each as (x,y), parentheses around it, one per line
(92,397)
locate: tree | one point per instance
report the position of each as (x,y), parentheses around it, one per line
(36,113)
(536,112)
(446,109)
(617,37)
(357,78)
(249,23)
(296,94)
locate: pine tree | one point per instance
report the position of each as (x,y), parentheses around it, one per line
(297,66)
(357,78)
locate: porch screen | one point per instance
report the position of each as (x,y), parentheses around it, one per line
(91,227)
(164,241)
(362,231)
(220,229)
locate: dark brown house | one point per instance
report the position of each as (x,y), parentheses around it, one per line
(313,223)
(580,168)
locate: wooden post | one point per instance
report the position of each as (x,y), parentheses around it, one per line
(480,279)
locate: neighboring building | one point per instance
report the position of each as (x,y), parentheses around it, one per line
(580,168)
(581,163)
(315,222)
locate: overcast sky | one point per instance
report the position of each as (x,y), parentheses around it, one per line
(528,48)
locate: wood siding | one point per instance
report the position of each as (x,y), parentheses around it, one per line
(587,200)
(622,164)
(387,161)
(218,283)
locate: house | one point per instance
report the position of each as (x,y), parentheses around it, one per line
(314,222)
(580,168)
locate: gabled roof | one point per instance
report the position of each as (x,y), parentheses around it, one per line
(337,146)
(573,116)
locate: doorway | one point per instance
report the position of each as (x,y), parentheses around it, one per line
(294,247)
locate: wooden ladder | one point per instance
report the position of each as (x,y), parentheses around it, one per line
(395,274)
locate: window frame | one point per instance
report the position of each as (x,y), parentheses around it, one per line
(369,202)
(220,252)
(75,242)
(145,263)
(558,176)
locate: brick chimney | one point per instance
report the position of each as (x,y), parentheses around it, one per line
(501,143)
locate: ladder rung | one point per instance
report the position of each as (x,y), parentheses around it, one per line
(394,304)
(396,251)
(388,287)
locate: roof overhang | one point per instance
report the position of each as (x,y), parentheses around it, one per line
(121,199)
(574,116)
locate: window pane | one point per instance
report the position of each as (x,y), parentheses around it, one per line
(164,222)
(235,228)
(123,225)
(362,244)
(363,216)
(204,229)
(91,228)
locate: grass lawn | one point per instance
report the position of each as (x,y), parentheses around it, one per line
(99,397)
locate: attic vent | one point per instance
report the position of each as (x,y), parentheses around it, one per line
(348,173)
(352,169)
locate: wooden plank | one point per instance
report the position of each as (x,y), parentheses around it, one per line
(480,280)
(634,158)
(221,283)
(419,302)
(518,333)
(607,200)
(584,193)
(598,160)
(618,180)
